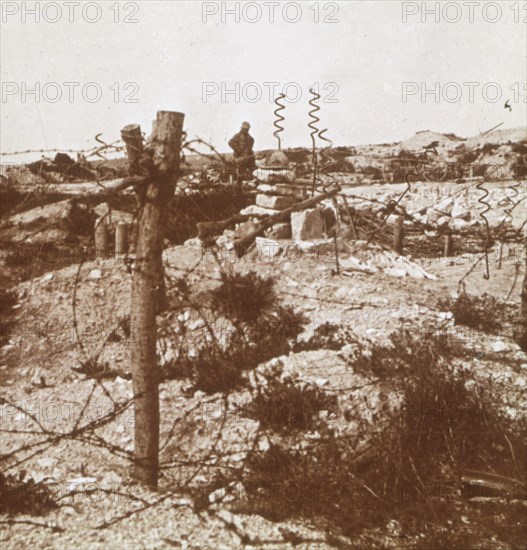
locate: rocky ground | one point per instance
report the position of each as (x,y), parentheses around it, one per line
(44,358)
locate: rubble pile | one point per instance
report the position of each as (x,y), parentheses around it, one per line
(62,169)
(277,190)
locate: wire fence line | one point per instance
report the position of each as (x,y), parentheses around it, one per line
(88,362)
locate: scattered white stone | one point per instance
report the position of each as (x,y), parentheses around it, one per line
(443,221)
(47,462)
(319,246)
(460,210)
(47,278)
(395,272)
(445,315)
(184,317)
(95,274)
(501,346)
(445,206)
(80,481)
(268,248)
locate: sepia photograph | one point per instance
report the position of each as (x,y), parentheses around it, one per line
(263,275)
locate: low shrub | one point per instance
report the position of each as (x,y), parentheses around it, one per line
(261,329)
(409,465)
(24,496)
(485,313)
(283,406)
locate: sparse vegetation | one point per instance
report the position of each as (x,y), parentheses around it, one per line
(20,495)
(409,466)
(261,329)
(325,336)
(284,406)
(475,311)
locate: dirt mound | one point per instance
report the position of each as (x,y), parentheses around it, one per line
(498,137)
(426,137)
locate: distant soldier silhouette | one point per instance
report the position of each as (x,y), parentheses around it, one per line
(242,144)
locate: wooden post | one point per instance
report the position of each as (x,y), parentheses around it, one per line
(102,246)
(121,239)
(350,216)
(398,235)
(133,140)
(500,254)
(448,245)
(163,154)
(521,337)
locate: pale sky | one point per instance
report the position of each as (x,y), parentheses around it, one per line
(171,53)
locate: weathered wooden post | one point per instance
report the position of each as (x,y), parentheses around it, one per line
(102,244)
(521,337)
(350,217)
(448,245)
(398,234)
(500,254)
(121,239)
(160,159)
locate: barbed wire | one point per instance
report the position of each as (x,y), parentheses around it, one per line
(91,150)
(85,433)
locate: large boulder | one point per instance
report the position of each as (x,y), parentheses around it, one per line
(307,225)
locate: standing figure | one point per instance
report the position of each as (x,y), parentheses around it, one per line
(242,144)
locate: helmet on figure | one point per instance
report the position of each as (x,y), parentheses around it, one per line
(245,126)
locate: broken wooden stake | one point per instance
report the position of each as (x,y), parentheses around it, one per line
(350,217)
(335,243)
(102,242)
(521,336)
(398,234)
(448,246)
(121,239)
(500,255)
